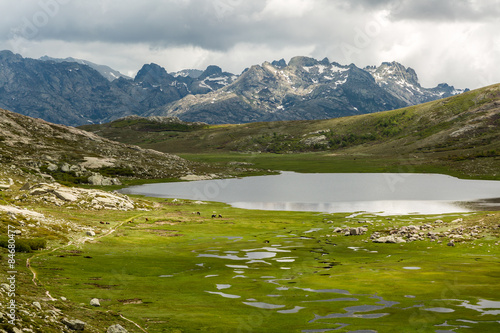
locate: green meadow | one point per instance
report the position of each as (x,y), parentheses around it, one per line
(172,270)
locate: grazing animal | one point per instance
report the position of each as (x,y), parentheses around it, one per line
(147,219)
(107,222)
(101,222)
(214,216)
(198,213)
(220,216)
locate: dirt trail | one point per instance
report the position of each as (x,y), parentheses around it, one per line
(81,241)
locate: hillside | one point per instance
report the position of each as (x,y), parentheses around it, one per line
(461,133)
(42,150)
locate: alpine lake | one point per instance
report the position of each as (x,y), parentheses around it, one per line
(279,254)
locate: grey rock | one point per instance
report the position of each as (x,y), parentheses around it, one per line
(52,167)
(390,239)
(74,324)
(116,329)
(37,305)
(90,233)
(95,302)
(65,195)
(99,180)
(65,167)
(357,231)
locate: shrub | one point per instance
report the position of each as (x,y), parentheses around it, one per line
(24,245)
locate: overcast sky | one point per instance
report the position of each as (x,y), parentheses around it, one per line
(453,41)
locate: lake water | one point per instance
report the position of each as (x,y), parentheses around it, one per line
(387,194)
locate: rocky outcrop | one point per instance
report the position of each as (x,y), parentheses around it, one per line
(60,195)
(99,180)
(116,329)
(74,324)
(390,240)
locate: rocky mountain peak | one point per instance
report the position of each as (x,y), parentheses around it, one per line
(9,56)
(153,74)
(394,71)
(279,63)
(302,61)
(211,71)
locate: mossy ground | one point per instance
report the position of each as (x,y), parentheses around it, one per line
(150,270)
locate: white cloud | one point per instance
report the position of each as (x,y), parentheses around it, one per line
(287,8)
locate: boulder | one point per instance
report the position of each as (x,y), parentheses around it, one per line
(37,305)
(95,302)
(390,239)
(357,231)
(90,233)
(99,180)
(65,195)
(52,167)
(4,187)
(65,167)
(116,329)
(75,325)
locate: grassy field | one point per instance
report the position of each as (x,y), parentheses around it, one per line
(172,270)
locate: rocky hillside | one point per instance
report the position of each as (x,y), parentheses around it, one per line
(44,150)
(77,92)
(306,88)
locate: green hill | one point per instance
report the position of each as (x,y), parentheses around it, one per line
(458,135)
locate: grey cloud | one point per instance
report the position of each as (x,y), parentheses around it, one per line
(430,10)
(212,25)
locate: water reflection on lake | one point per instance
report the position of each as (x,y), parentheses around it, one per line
(390,194)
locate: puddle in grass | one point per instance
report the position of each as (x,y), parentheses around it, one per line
(440,310)
(359,311)
(223,286)
(294,310)
(484,306)
(347,305)
(262,305)
(223,294)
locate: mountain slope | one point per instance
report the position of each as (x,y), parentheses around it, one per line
(307,89)
(75,93)
(66,153)
(106,71)
(460,133)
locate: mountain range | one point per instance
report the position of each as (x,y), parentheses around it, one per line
(76,92)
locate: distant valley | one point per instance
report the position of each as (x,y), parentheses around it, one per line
(77,92)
